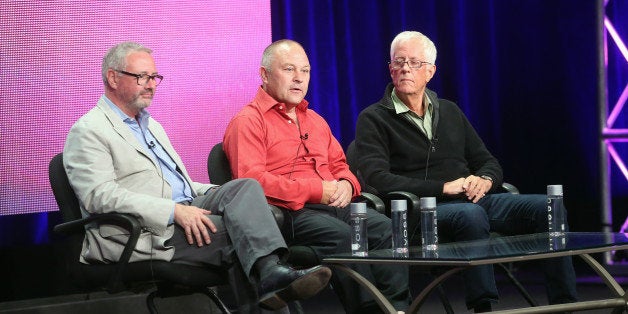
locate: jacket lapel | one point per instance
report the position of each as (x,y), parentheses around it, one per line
(122,129)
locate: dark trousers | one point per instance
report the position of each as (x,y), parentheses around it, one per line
(508,214)
(326,230)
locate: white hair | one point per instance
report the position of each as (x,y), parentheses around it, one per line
(426,44)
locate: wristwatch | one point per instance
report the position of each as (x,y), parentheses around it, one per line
(485,177)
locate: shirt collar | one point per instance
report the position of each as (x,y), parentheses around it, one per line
(400,107)
(267,102)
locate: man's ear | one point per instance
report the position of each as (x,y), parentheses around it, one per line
(112,78)
(263,73)
(431,72)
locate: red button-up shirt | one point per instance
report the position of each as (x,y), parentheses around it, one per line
(290,161)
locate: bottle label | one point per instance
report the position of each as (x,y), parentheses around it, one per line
(555,216)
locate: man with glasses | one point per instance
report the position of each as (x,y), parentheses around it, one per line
(413,141)
(291,151)
(119,159)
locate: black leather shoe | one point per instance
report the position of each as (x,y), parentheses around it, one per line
(282,284)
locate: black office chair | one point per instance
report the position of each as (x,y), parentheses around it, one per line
(413,216)
(219,172)
(412,199)
(170,279)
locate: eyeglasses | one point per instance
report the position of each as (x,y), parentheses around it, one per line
(142,79)
(412,64)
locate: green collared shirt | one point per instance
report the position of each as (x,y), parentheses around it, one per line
(425,122)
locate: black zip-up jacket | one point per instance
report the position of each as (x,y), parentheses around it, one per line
(395,155)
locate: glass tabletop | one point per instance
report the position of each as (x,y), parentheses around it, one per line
(497,249)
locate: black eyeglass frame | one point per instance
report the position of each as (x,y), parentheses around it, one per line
(157,77)
(398,64)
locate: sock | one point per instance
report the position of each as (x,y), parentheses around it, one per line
(264,263)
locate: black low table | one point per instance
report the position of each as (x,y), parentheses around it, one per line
(461,255)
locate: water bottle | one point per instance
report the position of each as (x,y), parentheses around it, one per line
(557,243)
(555,210)
(429,227)
(429,254)
(399,218)
(359,240)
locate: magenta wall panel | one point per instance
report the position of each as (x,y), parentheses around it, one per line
(50,56)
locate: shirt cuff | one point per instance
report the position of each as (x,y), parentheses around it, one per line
(171,219)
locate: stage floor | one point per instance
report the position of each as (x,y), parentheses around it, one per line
(589,287)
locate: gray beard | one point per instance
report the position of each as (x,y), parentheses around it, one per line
(139,104)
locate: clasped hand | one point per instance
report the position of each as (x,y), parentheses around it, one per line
(473,187)
(337,193)
(195,223)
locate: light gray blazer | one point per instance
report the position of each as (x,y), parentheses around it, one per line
(110,171)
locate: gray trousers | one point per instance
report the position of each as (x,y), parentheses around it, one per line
(246,231)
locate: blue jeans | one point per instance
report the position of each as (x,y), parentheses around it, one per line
(508,214)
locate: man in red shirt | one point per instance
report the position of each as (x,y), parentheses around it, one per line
(291,151)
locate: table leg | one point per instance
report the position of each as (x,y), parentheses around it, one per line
(418,301)
(610,282)
(378,296)
(617,304)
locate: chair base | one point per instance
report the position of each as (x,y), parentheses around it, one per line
(170,291)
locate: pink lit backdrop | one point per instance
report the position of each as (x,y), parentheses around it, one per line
(50,57)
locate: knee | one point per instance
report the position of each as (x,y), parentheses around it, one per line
(537,208)
(247,184)
(471,214)
(471,222)
(340,233)
(340,236)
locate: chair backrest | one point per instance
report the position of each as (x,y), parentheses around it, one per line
(62,190)
(219,172)
(218,166)
(70,246)
(352,161)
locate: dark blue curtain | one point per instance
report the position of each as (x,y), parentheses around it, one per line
(523,71)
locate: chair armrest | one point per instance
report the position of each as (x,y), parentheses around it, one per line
(278,214)
(414,209)
(373,201)
(412,199)
(510,188)
(128,222)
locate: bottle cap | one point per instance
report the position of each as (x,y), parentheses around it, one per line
(358,208)
(398,205)
(555,190)
(427,202)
